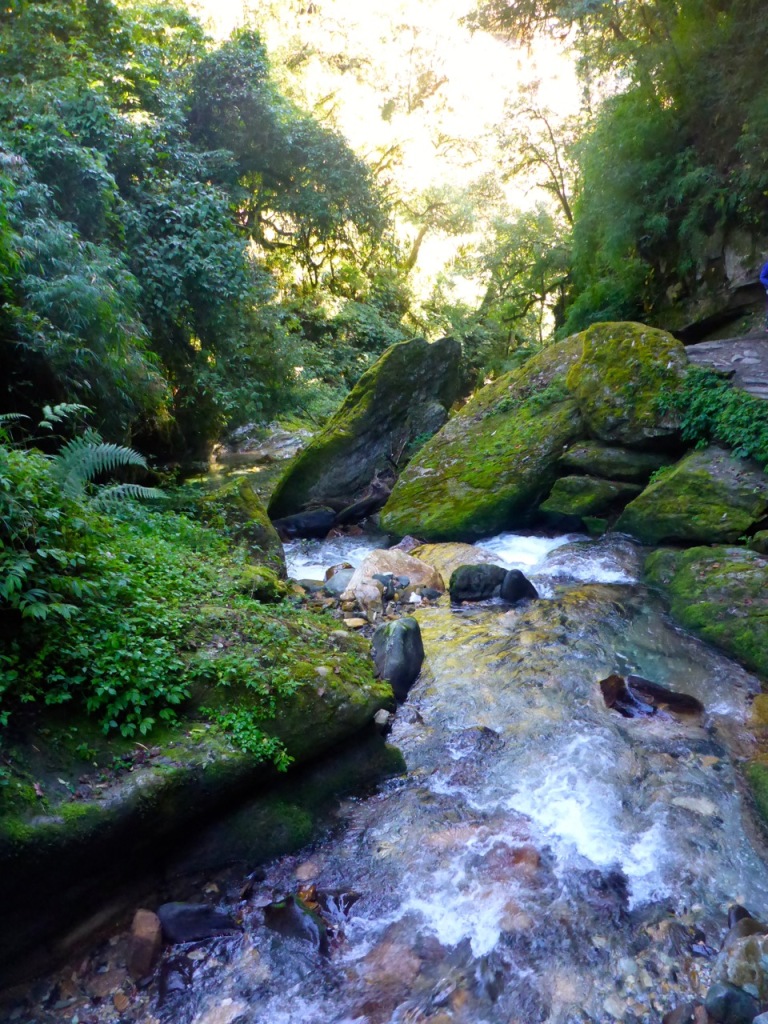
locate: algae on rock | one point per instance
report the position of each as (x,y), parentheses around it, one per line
(490,465)
(593,458)
(623,369)
(587,496)
(721,595)
(406,394)
(237,508)
(709,497)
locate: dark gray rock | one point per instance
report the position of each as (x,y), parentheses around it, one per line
(315,523)
(517,587)
(186,922)
(398,653)
(728,1004)
(293,919)
(402,399)
(476,582)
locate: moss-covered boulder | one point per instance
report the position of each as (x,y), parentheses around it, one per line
(623,370)
(592,458)
(491,464)
(236,509)
(709,497)
(403,397)
(587,496)
(721,594)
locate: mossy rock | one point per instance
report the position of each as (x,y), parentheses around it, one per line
(709,497)
(623,371)
(757,776)
(721,595)
(62,857)
(492,463)
(587,496)
(238,510)
(404,396)
(613,463)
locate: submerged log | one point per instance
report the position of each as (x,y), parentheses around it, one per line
(636,697)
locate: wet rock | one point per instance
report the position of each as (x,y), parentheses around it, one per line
(728,1004)
(292,918)
(185,922)
(383,721)
(176,974)
(446,558)
(338,583)
(106,982)
(315,523)
(517,587)
(683,1014)
(476,582)
(738,913)
(721,594)
(391,562)
(635,697)
(743,959)
(398,653)
(145,943)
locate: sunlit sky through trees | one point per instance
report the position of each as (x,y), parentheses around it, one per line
(397,52)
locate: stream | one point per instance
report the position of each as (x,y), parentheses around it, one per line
(543,859)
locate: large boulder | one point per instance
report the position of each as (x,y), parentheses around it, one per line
(709,497)
(405,395)
(623,370)
(721,594)
(490,465)
(587,496)
(611,462)
(364,591)
(238,509)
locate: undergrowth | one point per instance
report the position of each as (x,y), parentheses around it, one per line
(123,611)
(712,410)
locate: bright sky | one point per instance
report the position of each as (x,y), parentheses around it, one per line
(400,38)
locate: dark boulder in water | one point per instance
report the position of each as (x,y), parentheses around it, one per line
(476,582)
(292,918)
(315,523)
(729,1004)
(398,653)
(517,587)
(186,922)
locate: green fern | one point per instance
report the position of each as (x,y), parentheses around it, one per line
(83,458)
(118,492)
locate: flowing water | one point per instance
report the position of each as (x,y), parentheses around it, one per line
(543,859)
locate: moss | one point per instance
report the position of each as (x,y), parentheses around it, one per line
(592,458)
(391,405)
(263,584)
(623,369)
(491,464)
(709,497)
(721,594)
(586,496)
(757,777)
(237,509)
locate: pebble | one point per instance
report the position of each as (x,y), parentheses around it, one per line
(355,623)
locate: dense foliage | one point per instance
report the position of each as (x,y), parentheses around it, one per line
(175,235)
(672,154)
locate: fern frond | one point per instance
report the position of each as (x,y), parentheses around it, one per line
(60,413)
(83,458)
(119,492)
(11,417)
